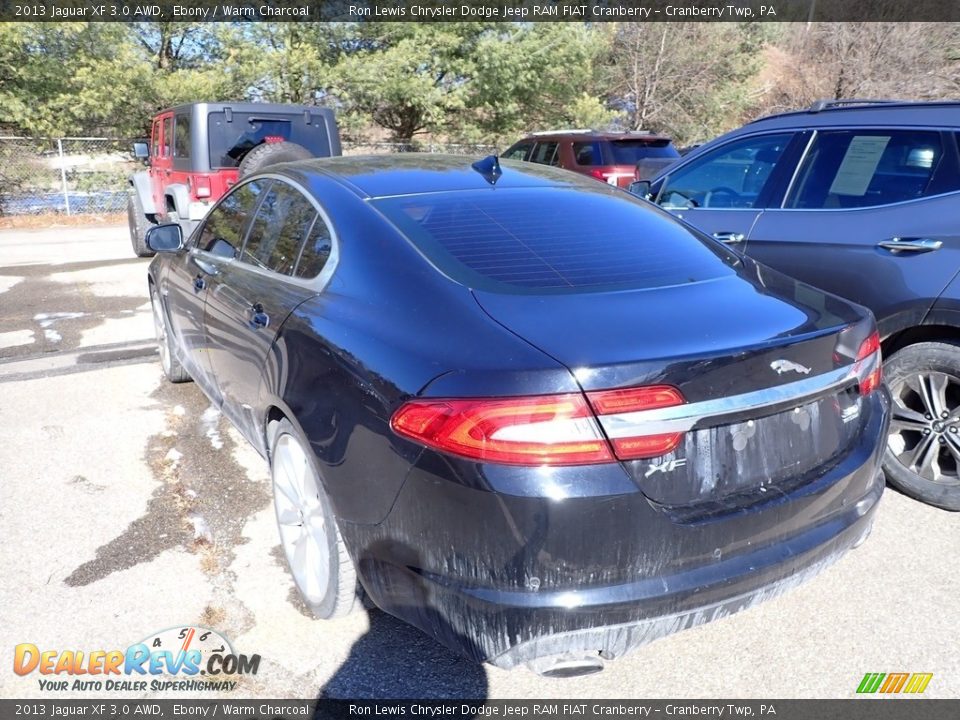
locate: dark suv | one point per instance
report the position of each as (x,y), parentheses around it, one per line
(616,158)
(198,151)
(861,198)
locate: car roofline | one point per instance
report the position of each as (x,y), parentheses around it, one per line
(861,105)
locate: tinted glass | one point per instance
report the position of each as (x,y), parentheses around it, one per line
(536,239)
(167,136)
(545,153)
(282,222)
(181,145)
(517,152)
(587,153)
(630,152)
(316,251)
(224,227)
(862,168)
(230,141)
(732,176)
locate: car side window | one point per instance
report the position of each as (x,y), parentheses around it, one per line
(732,176)
(546,153)
(223,230)
(316,250)
(866,168)
(282,222)
(167,135)
(517,152)
(587,153)
(181,135)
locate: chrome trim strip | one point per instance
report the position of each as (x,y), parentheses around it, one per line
(681,418)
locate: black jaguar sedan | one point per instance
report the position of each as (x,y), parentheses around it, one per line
(532,415)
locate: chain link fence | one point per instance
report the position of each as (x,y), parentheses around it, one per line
(64,175)
(74,176)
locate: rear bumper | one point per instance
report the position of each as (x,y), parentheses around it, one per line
(507,578)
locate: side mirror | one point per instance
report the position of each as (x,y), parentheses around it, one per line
(640,188)
(141,150)
(166,238)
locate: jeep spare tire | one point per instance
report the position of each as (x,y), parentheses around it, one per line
(271,154)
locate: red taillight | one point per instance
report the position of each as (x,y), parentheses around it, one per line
(548,430)
(633,444)
(201,186)
(869,365)
(600,175)
(273,139)
(544,430)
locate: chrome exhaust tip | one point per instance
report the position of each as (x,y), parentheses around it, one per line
(568,665)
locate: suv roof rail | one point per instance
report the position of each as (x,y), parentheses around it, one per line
(820,105)
(564,132)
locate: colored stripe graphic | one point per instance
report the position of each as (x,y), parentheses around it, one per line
(894,682)
(870,682)
(918,682)
(913,683)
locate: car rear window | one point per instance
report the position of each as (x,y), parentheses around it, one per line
(231,137)
(630,152)
(558,240)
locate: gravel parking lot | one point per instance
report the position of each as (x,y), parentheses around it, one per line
(129,505)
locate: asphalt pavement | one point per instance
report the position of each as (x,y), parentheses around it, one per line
(129,505)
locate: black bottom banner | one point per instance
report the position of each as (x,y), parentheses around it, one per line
(855,709)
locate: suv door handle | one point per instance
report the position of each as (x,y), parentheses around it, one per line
(730,238)
(914,245)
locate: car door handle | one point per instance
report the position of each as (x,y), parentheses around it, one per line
(199,283)
(730,238)
(913,245)
(258,318)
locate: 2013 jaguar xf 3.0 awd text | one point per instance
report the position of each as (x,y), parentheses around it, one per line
(530,414)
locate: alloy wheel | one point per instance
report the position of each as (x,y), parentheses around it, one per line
(301,519)
(925,426)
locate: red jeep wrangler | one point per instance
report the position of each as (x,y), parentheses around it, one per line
(198,151)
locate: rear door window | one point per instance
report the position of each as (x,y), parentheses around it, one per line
(282,223)
(517,152)
(866,168)
(223,230)
(546,153)
(732,176)
(316,250)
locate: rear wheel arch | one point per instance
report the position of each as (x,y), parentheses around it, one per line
(917,334)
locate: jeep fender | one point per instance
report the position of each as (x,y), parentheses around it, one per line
(140,182)
(181,199)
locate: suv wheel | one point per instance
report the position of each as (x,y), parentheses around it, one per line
(923,448)
(270,154)
(138,226)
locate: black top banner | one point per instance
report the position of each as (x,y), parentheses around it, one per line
(472,10)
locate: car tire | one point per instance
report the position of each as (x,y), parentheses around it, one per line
(270,154)
(922,457)
(315,552)
(138,226)
(172,368)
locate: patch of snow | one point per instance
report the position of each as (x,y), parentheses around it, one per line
(52,335)
(16,337)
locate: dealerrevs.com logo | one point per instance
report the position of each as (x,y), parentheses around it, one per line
(189,659)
